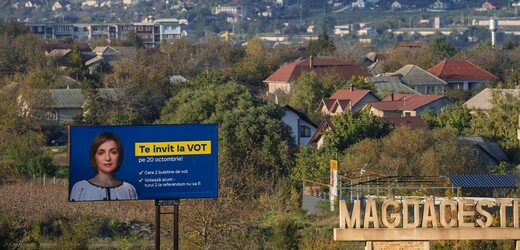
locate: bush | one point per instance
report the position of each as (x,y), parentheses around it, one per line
(11,234)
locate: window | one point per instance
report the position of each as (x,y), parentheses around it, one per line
(305,131)
(140,28)
(53,115)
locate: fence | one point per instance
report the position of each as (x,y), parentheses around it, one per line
(43,180)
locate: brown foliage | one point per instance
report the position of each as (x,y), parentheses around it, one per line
(30,201)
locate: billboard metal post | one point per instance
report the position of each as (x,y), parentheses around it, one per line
(175,203)
(157,235)
(176,225)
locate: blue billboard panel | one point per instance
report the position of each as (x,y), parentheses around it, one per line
(143,162)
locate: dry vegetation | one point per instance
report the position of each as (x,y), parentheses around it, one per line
(30,201)
(36,216)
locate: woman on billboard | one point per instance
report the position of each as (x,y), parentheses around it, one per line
(106,156)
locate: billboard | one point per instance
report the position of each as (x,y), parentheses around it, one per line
(143,162)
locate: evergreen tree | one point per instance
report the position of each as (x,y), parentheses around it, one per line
(323,46)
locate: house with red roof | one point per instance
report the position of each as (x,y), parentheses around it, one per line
(402,105)
(287,74)
(346,100)
(489,5)
(461,74)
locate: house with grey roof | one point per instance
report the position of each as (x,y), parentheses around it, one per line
(489,153)
(70,103)
(390,84)
(421,80)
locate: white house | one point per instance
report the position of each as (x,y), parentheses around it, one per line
(342,30)
(440,5)
(302,127)
(367,31)
(360,4)
(398,5)
(311,29)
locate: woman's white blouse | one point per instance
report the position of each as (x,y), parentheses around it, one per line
(86,191)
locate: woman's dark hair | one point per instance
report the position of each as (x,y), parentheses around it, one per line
(100,139)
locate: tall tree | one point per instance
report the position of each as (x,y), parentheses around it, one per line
(256,64)
(253,139)
(307,92)
(256,151)
(139,92)
(323,46)
(442,47)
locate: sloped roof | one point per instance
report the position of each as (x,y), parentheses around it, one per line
(491,148)
(482,100)
(67,98)
(343,104)
(354,95)
(413,122)
(328,103)
(292,71)
(390,83)
(325,124)
(94,60)
(83,47)
(484,180)
(301,114)
(460,70)
(405,102)
(74,98)
(414,75)
(58,52)
(100,49)
(375,68)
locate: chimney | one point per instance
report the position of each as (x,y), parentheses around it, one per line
(311,62)
(392,96)
(351,87)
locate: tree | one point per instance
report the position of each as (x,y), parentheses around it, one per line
(77,68)
(256,152)
(441,47)
(423,58)
(255,66)
(323,46)
(360,82)
(406,152)
(307,92)
(256,147)
(500,123)
(455,117)
(457,96)
(352,127)
(21,109)
(313,164)
(139,92)
(180,55)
